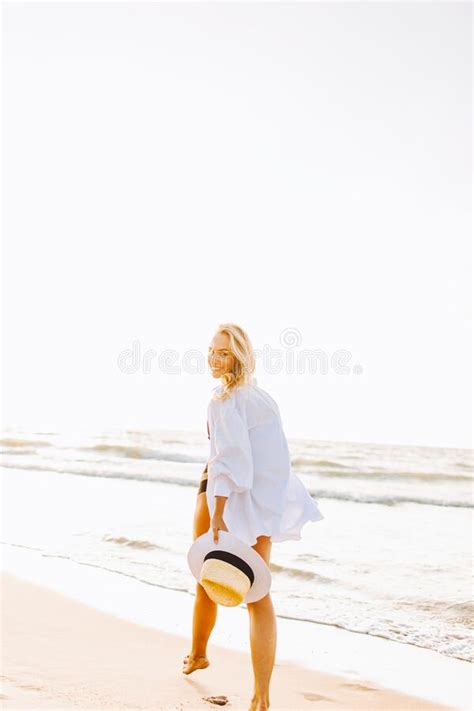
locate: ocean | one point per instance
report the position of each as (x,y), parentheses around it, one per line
(392,557)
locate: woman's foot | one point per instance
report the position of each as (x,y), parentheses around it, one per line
(257,704)
(191,663)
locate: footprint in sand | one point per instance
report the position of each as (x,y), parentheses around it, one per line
(219,700)
(359,687)
(309,696)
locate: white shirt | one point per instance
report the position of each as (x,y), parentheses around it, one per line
(250,463)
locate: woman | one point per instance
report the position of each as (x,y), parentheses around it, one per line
(247,488)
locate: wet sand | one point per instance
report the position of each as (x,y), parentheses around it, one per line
(58,653)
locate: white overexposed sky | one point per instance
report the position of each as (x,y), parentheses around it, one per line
(302,169)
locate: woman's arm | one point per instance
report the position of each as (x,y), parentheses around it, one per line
(230,464)
(220,504)
(231,461)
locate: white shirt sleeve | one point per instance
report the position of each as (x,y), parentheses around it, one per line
(231,462)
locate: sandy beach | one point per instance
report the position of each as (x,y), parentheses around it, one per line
(60,654)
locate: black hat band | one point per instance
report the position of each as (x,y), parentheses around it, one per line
(233,560)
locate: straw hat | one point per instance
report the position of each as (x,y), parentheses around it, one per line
(230,571)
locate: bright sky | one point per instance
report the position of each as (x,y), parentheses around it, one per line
(301,169)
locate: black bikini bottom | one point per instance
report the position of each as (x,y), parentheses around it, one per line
(203,483)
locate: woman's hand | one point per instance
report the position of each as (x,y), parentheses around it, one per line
(217,524)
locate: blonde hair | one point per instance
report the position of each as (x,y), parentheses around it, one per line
(241,349)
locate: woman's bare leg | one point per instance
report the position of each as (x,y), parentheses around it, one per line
(205,609)
(263,637)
